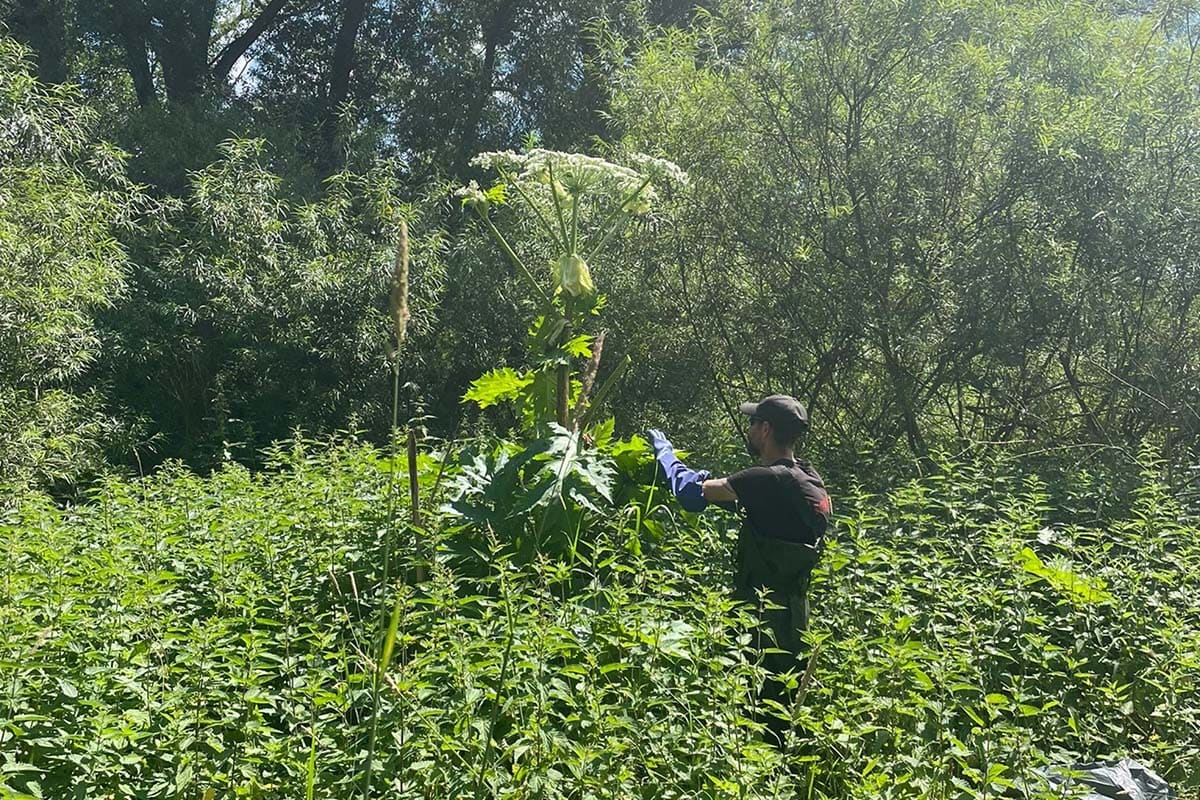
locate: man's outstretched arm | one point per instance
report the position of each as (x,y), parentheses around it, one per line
(718,490)
(686,484)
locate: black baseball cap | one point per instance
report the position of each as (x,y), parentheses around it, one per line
(783,412)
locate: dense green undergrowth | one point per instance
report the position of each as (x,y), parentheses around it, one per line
(191,637)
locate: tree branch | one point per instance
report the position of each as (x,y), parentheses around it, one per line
(353,14)
(229,55)
(132,26)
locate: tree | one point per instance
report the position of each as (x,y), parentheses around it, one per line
(250,314)
(353,12)
(433,82)
(41,25)
(938,224)
(195,44)
(62,200)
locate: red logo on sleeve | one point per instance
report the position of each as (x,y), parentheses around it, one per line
(824,506)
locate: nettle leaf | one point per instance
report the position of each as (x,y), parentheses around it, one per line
(669,637)
(1078,588)
(497,385)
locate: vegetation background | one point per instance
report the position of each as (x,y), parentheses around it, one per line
(964,233)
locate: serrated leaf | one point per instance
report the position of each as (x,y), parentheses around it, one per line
(580,346)
(602,432)
(500,384)
(1080,589)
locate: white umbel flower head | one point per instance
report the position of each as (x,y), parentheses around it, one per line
(660,170)
(576,174)
(572,198)
(472,196)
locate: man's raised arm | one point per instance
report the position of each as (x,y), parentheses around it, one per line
(690,487)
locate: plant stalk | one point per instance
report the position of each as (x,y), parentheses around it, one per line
(499,695)
(609,226)
(537,211)
(414,499)
(512,256)
(562,221)
(604,390)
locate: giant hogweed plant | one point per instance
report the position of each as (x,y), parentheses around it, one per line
(573,206)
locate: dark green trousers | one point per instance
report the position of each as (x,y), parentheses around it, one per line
(772,577)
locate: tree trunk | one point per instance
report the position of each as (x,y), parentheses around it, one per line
(1091,423)
(497,30)
(41,25)
(353,14)
(901,386)
(187,27)
(131,21)
(229,55)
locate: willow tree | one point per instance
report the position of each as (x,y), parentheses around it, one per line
(938,223)
(63,198)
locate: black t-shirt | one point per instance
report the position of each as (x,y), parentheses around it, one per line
(785,500)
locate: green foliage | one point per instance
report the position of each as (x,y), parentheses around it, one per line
(434,84)
(937,223)
(1004,667)
(537,497)
(531,394)
(54,438)
(181,636)
(178,636)
(252,313)
(599,198)
(63,200)
(504,383)
(1079,588)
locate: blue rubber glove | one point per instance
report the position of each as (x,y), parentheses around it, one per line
(686,484)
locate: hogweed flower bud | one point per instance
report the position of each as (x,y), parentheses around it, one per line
(472,196)
(571,275)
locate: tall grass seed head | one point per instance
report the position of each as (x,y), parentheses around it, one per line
(398,299)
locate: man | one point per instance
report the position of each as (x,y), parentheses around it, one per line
(785,511)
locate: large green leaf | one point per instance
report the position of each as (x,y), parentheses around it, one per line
(1080,589)
(500,384)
